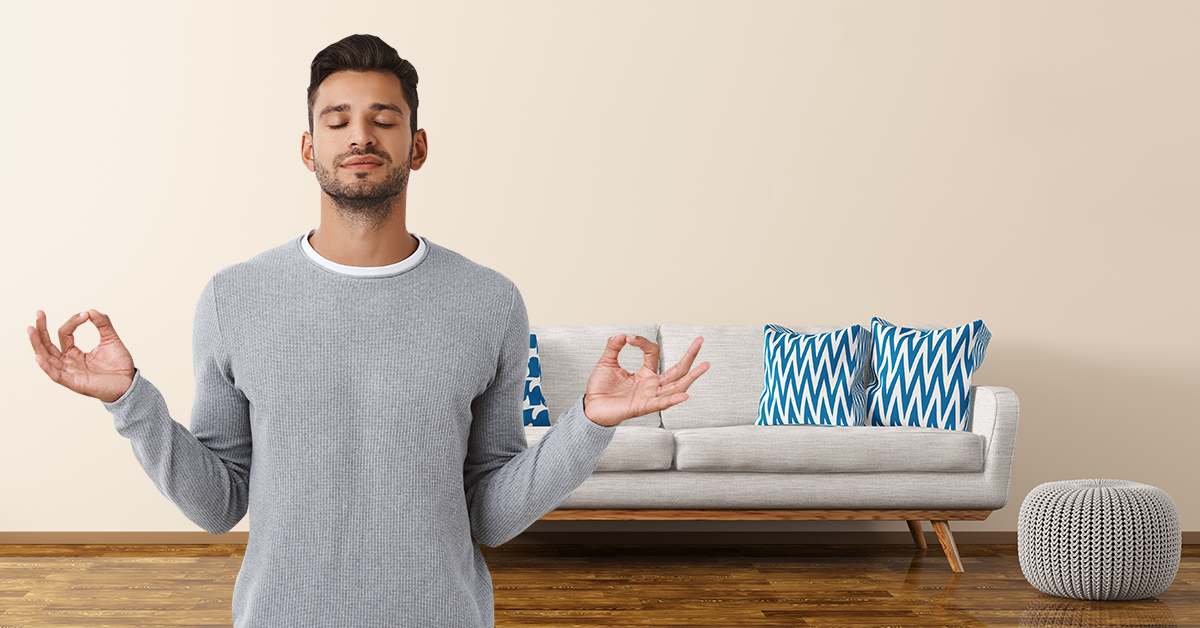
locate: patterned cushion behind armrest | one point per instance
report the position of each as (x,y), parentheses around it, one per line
(534,405)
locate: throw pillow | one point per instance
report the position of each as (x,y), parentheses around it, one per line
(922,377)
(534,405)
(813,379)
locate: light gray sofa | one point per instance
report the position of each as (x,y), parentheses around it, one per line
(705,458)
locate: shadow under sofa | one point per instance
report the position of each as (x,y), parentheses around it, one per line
(704,459)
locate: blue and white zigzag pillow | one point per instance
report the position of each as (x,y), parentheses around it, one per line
(922,377)
(813,379)
(534,404)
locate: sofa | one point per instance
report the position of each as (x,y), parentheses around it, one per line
(706,459)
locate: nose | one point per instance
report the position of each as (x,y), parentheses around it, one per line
(361,136)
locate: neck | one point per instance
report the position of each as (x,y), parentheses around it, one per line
(364,236)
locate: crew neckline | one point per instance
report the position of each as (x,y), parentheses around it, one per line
(401,266)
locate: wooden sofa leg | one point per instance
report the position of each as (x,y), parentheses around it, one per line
(917,534)
(947,540)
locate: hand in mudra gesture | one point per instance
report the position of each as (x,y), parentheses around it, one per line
(614,394)
(105,373)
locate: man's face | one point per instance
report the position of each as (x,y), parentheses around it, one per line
(361,148)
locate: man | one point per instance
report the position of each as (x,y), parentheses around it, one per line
(359,391)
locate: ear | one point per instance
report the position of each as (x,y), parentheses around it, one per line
(420,149)
(306,151)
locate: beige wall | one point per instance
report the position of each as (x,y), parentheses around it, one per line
(1029,163)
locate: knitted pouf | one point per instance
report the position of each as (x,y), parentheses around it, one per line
(1099,539)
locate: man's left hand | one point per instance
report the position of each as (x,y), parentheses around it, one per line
(614,394)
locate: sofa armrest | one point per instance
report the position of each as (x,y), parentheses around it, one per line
(995,413)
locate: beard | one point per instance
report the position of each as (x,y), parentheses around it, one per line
(361,201)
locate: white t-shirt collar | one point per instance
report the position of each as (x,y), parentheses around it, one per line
(366,271)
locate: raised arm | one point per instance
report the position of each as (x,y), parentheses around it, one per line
(508,484)
(204,471)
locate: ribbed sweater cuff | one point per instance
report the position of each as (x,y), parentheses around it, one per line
(140,401)
(589,436)
(113,406)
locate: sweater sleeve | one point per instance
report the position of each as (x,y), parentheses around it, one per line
(204,471)
(508,484)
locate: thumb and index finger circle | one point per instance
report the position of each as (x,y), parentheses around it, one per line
(650,352)
(66,333)
(612,349)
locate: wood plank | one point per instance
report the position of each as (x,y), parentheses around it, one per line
(540,586)
(146,537)
(764,514)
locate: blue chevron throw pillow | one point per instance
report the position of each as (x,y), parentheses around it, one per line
(813,379)
(922,377)
(534,405)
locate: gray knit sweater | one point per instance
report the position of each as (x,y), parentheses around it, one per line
(372,428)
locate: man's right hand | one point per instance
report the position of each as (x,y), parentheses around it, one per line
(105,373)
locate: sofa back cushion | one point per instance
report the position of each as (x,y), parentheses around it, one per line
(568,354)
(729,392)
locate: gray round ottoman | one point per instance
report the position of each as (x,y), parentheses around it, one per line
(1099,539)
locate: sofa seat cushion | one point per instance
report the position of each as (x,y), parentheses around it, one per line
(827,449)
(632,448)
(670,490)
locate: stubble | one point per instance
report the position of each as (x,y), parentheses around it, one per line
(360,201)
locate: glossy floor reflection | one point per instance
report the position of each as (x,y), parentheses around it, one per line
(804,586)
(993,586)
(573,585)
(1063,612)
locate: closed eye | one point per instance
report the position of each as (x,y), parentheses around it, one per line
(338,126)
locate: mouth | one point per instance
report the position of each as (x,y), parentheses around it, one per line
(361,163)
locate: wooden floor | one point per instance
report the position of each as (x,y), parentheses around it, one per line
(605,585)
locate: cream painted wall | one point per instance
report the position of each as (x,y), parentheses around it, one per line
(1029,163)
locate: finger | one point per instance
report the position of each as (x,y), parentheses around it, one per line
(66,333)
(51,366)
(611,350)
(104,325)
(685,363)
(44,337)
(686,382)
(41,362)
(39,353)
(54,373)
(650,359)
(35,341)
(662,403)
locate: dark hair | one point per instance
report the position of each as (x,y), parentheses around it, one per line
(363,53)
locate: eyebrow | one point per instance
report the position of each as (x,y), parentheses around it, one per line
(375,107)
